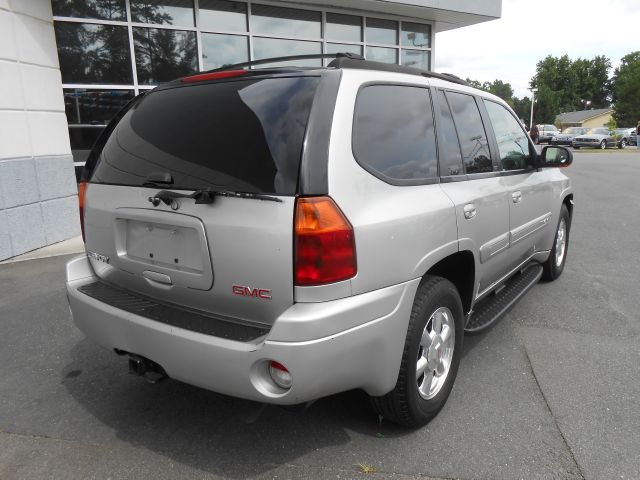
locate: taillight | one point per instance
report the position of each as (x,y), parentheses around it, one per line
(325,249)
(82,191)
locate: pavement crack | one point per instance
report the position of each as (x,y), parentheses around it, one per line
(555,420)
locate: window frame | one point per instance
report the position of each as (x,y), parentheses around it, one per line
(388,180)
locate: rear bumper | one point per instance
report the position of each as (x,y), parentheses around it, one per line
(323,358)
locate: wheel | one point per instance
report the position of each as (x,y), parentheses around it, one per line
(623,143)
(430,357)
(554,265)
(603,144)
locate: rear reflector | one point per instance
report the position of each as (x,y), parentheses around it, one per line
(280,375)
(203,77)
(325,250)
(82,191)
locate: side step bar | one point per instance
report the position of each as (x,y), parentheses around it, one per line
(491,309)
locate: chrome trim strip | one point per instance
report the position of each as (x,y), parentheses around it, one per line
(529,228)
(493,247)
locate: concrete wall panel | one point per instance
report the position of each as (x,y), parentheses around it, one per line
(11,96)
(36,41)
(26,228)
(36,8)
(49,133)
(56,177)
(61,219)
(5,241)
(14,135)
(42,87)
(19,182)
(7,38)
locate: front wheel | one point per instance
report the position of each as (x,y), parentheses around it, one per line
(554,265)
(603,144)
(623,143)
(430,357)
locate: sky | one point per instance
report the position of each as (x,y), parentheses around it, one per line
(509,48)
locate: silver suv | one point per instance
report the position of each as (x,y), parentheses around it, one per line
(285,234)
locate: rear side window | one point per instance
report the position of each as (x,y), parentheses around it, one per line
(393,135)
(473,139)
(243,136)
(448,145)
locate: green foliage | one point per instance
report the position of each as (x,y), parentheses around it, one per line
(612,124)
(626,90)
(566,86)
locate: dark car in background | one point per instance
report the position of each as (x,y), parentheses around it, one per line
(567,135)
(625,136)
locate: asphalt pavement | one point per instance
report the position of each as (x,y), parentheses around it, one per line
(550,392)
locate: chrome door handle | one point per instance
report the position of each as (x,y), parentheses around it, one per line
(469,211)
(516,197)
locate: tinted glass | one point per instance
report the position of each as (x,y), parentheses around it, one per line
(513,144)
(82,138)
(448,145)
(101,9)
(169,12)
(343,27)
(220,50)
(163,54)
(223,15)
(415,35)
(285,21)
(393,132)
(275,47)
(473,139)
(94,107)
(91,53)
(416,58)
(382,31)
(243,135)
(381,54)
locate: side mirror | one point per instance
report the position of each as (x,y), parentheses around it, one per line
(555,157)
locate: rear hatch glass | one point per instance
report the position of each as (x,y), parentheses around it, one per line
(242,135)
(232,257)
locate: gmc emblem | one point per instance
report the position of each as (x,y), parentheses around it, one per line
(243,291)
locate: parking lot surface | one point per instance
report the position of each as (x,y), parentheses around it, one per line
(550,392)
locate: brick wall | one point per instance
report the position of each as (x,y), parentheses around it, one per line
(38,193)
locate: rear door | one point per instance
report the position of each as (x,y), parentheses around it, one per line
(232,256)
(480,199)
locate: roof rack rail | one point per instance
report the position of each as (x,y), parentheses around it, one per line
(289,58)
(346,60)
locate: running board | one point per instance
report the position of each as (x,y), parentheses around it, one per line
(489,310)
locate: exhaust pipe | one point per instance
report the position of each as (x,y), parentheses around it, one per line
(143,367)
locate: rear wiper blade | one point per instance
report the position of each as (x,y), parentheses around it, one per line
(206,196)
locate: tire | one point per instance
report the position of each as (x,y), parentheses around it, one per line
(603,144)
(437,300)
(554,265)
(623,143)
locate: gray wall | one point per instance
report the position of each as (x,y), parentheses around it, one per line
(38,193)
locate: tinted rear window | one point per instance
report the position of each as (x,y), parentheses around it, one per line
(243,136)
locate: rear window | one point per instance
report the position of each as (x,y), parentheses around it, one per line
(244,136)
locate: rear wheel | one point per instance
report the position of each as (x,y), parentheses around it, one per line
(603,144)
(554,265)
(623,143)
(430,358)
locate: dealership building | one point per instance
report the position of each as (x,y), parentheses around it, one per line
(67,67)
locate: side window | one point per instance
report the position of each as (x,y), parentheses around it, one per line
(513,144)
(448,145)
(393,134)
(473,139)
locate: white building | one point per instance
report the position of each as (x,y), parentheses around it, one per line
(67,66)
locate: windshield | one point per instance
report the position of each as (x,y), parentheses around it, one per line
(244,136)
(574,130)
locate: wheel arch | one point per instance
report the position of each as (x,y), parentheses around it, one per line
(460,269)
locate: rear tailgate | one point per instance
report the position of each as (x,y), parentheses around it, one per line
(233,256)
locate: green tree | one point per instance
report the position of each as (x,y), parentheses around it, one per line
(626,90)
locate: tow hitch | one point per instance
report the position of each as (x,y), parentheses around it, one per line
(143,367)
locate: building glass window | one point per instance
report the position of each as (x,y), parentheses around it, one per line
(382,54)
(220,50)
(162,55)
(416,58)
(343,48)
(415,35)
(90,53)
(98,9)
(275,47)
(163,12)
(286,22)
(223,15)
(381,31)
(346,28)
